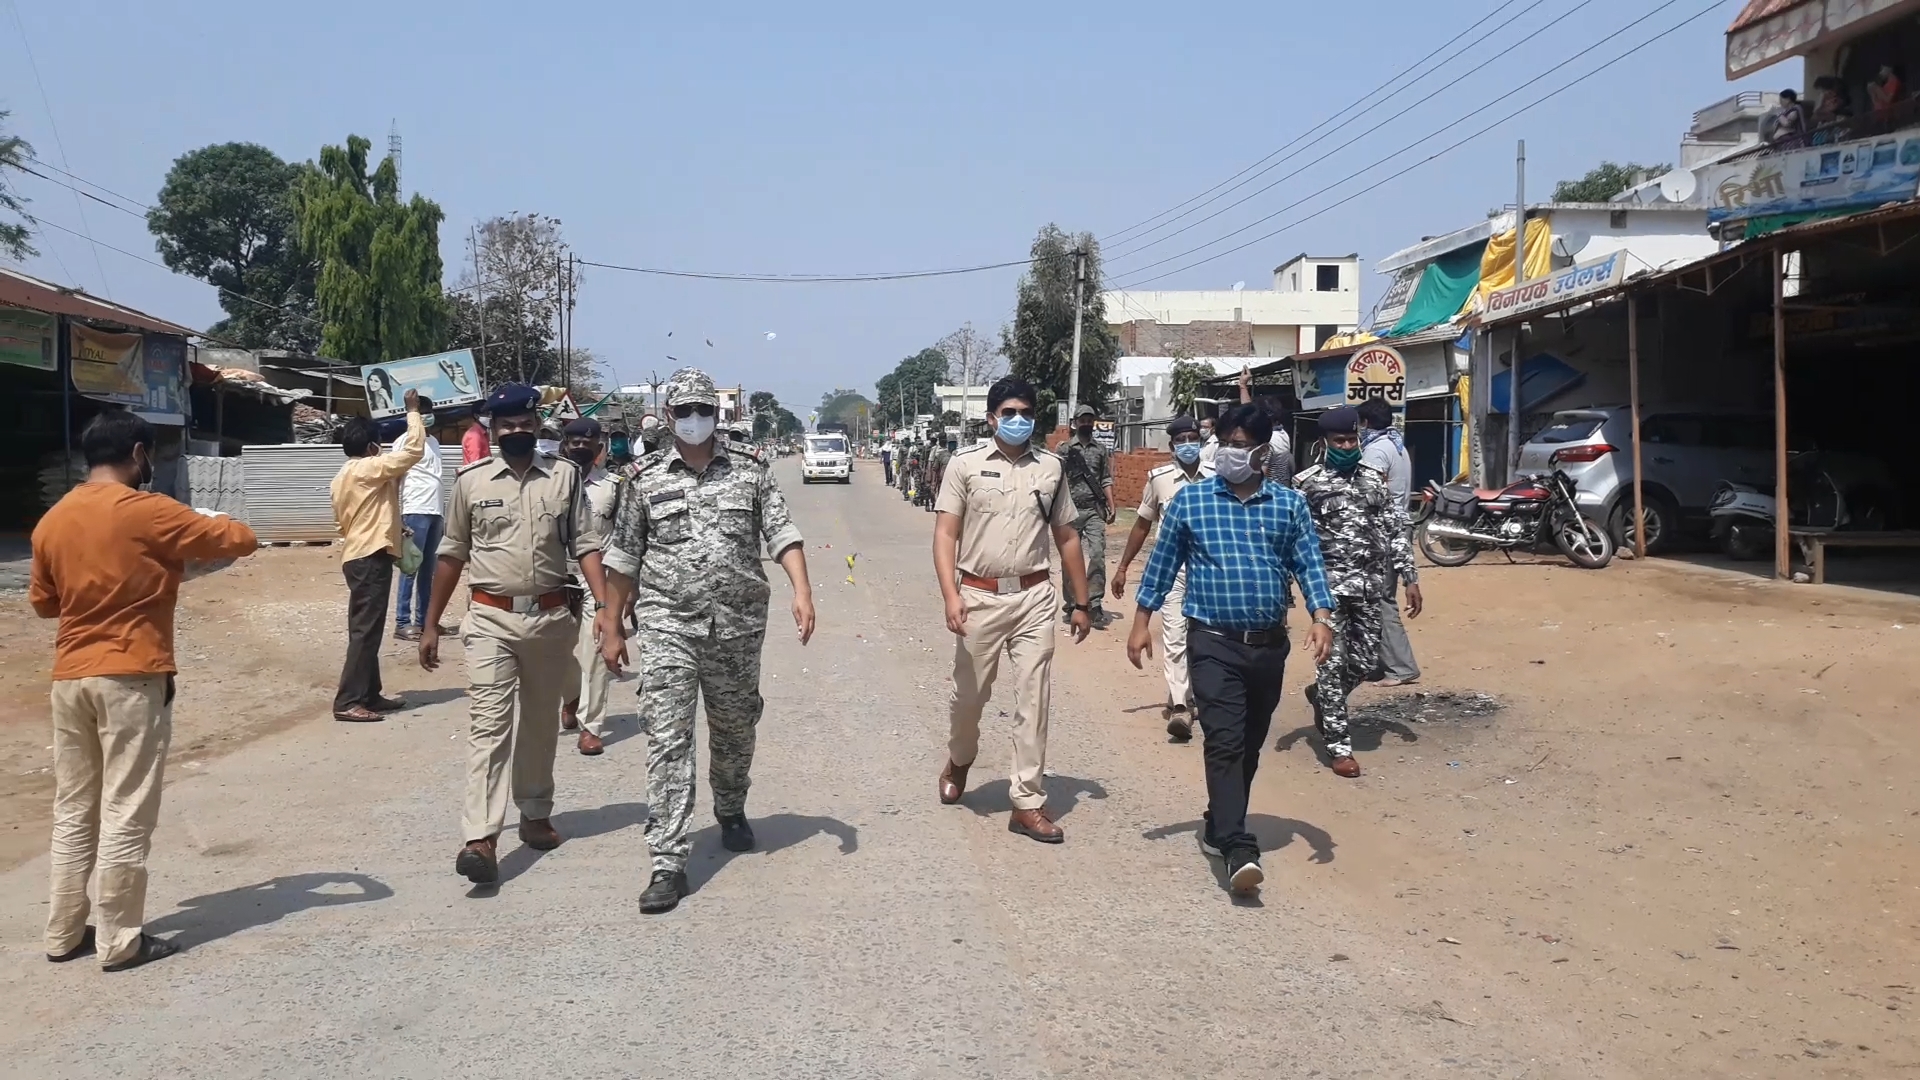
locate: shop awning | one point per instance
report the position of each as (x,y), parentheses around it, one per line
(1769,31)
(19,290)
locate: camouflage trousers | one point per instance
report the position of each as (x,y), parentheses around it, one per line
(674,670)
(1092,528)
(1355,658)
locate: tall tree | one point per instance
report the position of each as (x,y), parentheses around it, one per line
(910,384)
(14,235)
(842,406)
(1039,344)
(225,215)
(770,418)
(1604,181)
(378,288)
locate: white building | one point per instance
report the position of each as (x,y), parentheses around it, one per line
(973,407)
(1312,299)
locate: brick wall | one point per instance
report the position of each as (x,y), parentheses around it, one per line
(1129,470)
(1144,337)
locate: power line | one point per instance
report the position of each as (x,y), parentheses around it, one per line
(83,180)
(58,143)
(223,289)
(816,279)
(1122,234)
(1436,154)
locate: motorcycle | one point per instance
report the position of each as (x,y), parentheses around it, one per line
(1464,521)
(1744,514)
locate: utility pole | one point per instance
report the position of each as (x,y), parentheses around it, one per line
(1073,376)
(966,372)
(1519,328)
(480,290)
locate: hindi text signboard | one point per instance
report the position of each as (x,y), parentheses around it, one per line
(1581,279)
(1377,371)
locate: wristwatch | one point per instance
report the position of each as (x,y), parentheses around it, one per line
(1326,621)
(1081,607)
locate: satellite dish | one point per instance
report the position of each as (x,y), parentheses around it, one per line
(1238,285)
(1678,186)
(1567,245)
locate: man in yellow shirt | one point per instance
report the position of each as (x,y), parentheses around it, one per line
(366,506)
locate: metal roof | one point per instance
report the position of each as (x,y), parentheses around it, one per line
(23,291)
(1760,10)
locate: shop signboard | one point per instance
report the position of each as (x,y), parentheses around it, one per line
(1323,382)
(448,378)
(1839,176)
(165,367)
(1394,304)
(27,339)
(1103,433)
(107,367)
(1579,280)
(1377,371)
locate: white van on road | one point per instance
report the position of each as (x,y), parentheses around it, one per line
(826,457)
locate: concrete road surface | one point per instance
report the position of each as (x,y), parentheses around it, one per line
(309,878)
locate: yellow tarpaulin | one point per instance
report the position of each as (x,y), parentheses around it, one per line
(1341,341)
(1496,264)
(1463,388)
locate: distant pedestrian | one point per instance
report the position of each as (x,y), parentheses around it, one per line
(1279,409)
(1382,447)
(107,562)
(686,547)
(422,502)
(1209,443)
(586,707)
(476,443)
(1364,541)
(1000,504)
(1163,483)
(886,463)
(1089,466)
(513,522)
(1241,538)
(366,509)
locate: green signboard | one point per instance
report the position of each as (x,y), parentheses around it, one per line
(26,339)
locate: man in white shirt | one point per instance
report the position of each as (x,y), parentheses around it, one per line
(1163,483)
(1209,444)
(586,708)
(1382,447)
(422,506)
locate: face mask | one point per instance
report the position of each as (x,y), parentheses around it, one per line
(1234,464)
(693,430)
(1343,459)
(583,457)
(519,444)
(1186,453)
(1086,431)
(1015,430)
(146,474)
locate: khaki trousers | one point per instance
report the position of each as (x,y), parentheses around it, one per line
(110,737)
(1020,626)
(1173,643)
(590,679)
(522,660)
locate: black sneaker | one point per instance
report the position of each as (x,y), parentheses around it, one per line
(1179,723)
(663,893)
(1243,872)
(1208,845)
(735,833)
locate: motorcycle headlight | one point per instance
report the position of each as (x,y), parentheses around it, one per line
(1723,495)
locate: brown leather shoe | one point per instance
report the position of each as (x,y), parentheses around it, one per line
(569,717)
(590,744)
(953,783)
(1035,824)
(477,862)
(1346,766)
(539,834)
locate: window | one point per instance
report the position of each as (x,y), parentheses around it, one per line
(1326,279)
(1569,429)
(1321,334)
(1674,430)
(1617,219)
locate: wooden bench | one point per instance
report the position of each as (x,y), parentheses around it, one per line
(1814,543)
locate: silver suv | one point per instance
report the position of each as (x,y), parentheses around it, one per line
(1686,451)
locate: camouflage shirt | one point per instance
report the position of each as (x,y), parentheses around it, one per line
(1363,530)
(1093,487)
(693,542)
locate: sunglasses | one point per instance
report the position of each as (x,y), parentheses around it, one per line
(1010,412)
(681,412)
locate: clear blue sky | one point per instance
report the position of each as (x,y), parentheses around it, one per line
(844,138)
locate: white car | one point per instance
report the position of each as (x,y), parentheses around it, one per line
(826,457)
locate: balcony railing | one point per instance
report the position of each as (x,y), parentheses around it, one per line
(1897,116)
(1732,107)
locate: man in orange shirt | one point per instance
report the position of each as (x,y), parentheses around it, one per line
(107,561)
(366,506)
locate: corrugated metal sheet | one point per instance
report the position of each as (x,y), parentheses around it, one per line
(217,483)
(288,496)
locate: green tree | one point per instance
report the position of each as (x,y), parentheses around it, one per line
(1604,181)
(1039,344)
(841,406)
(14,235)
(1185,382)
(378,288)
(910,385)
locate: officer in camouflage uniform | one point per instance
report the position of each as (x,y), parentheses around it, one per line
(1090,479)
(687,540)
(1363,538)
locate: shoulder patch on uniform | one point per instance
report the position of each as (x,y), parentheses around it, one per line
(975,448)
(1162,470)
(476,464)
(1043,452)
(1311,472)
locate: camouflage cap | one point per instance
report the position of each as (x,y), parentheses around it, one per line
(691,386)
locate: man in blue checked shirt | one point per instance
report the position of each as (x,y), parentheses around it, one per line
(1240,538)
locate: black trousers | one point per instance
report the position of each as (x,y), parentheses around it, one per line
(1236,687)
(369,583)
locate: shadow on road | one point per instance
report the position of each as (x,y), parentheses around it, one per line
(571,825)
(1272,833)
(1063,794)
(217,915)
(622,727)
(419,699)
(1367,735)
(776,832)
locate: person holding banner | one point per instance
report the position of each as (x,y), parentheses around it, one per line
(366,509)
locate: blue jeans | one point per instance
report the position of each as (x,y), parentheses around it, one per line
(416,589)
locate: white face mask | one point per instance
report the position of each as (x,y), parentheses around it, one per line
(694,430)
(1234,464)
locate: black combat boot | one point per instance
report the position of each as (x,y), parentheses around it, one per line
(735,833)
(664,892)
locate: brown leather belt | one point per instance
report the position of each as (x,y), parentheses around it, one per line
(1004,585)
(522,605)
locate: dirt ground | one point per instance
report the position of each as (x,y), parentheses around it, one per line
(1671,802)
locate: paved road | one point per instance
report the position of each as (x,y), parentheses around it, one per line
(874,934)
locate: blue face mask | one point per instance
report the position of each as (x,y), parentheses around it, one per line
(1343,459)
(1015,430)
(1186,453)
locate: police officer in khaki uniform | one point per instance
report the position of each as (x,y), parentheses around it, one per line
(582,443)
(1163,483)
(516,517)
(997,505)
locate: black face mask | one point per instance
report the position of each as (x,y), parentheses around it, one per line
(583,457)
(1086,431)
(519,444)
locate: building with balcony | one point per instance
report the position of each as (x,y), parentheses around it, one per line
(1312,299)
